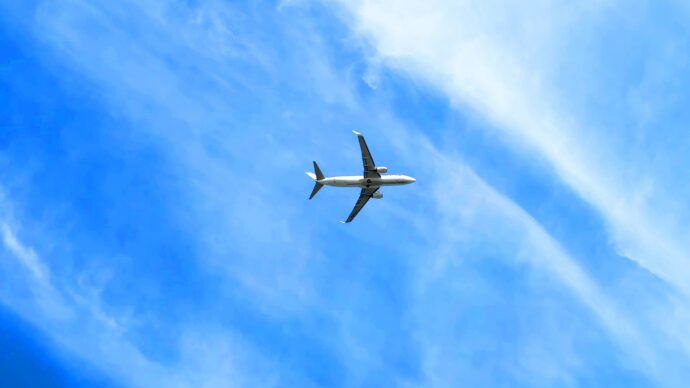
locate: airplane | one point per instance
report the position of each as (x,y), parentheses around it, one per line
(370,181)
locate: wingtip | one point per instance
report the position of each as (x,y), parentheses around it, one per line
(356,133)
(343,222)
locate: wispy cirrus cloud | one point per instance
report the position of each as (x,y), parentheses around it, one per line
(474,225)
(26,256)
(520,67)
(503,60)
(199,110)
(234,99)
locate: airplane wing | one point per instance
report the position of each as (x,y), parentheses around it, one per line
(367,160)
(363,198)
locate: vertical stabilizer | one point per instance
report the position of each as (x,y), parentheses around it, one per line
(317,170)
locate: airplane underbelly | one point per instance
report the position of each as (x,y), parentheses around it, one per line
(347,182)
(371,182)
(376,182)
(390,182)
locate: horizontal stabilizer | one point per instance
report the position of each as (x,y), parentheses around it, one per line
(311,175)
(317,187)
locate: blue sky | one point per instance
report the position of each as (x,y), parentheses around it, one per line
(154,222)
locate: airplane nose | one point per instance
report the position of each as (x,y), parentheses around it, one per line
(412,180)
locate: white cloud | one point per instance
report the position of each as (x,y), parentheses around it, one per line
(213,144)
(25,255)
(192,124)
(470,213)
(501,60)
(73,316)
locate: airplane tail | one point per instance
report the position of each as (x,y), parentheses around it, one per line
(316,176)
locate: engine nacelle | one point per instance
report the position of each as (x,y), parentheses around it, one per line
(377,195)
(382,170)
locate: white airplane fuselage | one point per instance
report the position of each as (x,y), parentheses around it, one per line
(360,181)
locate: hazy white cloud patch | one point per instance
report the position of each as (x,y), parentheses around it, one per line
(199,96)
(26,255)
(502,60)
(475,225)
(200,82)
(74,316)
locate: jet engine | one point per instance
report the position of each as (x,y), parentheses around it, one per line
(382,170)
(377,195)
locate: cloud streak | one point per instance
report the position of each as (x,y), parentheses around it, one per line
(232,112)
(472,217)
(25,255)
(501,60)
